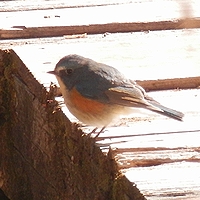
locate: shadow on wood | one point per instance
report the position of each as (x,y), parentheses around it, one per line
(43,155)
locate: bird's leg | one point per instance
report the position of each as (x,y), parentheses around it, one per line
(98,133)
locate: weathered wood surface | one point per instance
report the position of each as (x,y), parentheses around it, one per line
(8,6)
(174,55)
(147,16)
(170,149)
(55,31)
(62,13)
(170,84)
(44,156)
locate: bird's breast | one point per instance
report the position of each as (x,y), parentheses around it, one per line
(85,105)
(88,110)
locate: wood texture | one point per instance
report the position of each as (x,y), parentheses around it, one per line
(52,31)
(44,156)
(170,84)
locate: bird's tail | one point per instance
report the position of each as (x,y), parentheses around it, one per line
(166,111)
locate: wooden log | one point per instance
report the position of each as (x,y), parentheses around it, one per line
(43,155)
(54,31)
(170,84)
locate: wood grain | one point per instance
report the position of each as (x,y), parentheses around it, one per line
(55,31)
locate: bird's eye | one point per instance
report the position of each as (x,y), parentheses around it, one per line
(69,71)
(66,72)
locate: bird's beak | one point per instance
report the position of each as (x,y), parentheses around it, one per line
(52,72)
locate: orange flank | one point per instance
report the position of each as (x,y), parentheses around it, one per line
(86,105)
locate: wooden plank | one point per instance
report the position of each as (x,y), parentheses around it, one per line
(53,31)
(162,149)
(170,84)
(147,139)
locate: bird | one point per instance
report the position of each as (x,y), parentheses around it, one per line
(96,93)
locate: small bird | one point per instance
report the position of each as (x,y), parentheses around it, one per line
(96,93)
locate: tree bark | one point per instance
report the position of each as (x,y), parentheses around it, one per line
(44,156)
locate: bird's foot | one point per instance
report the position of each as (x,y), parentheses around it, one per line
(97,133)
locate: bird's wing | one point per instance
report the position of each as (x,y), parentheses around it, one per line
(130,97)
(137,97)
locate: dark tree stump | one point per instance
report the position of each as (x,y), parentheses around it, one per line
(43,155)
